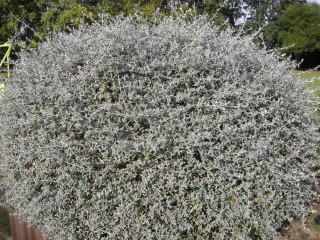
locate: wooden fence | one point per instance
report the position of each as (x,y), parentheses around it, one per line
(21,231)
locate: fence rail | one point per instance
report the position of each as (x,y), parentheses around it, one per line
(21,231)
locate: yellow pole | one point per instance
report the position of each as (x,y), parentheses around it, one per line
(7,56)
(3,59)
(8,64)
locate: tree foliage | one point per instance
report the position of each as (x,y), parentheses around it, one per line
(67,14)
(13,10)
(262,12)
(299,28)
(223,10)
(47,16)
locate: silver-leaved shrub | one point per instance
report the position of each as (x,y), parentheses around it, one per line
(163,130)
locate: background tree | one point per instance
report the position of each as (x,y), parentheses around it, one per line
(298,24)
(67,13)
(63,14)
(13,10)
(257,12)
(298,30)
(222,10)
(262,12)
(47,15)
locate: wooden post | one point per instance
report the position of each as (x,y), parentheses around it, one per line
(21,231)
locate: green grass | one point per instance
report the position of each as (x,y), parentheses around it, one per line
(309,75)
(314,84)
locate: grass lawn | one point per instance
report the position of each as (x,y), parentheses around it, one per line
(311,75)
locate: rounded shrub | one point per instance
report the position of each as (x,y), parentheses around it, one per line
(164,130)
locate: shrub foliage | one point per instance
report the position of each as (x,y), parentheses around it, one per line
(163,130)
